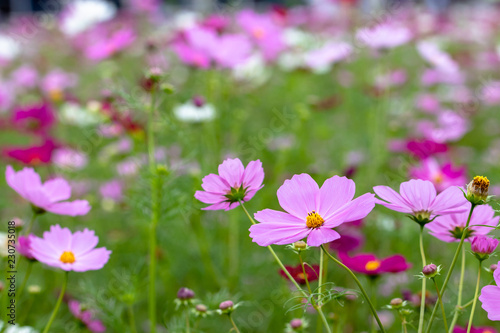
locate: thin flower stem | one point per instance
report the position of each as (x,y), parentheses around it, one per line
(155,213)
(403,323)
(58,303)
(188,328)
(131,318)
(475,297)
(25,280)
(290,277)
(441,303)
(31,222)
(304,272)
(424,281)
(372,308)
(466,305)
(233,323)
(320,278)
(460,291)
(450,270)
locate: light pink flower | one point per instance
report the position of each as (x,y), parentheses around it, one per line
(490,93)
(436,57)
(490,298)
(24,246)
(442,176)
(449,228)
(68,158)
(48,196)
(384,36)
(418,198)
(312,212)
(86,317)
(70,252)
(321,59)
(449,126)
(233,183)
(483,244)
(109,46)
(112,190)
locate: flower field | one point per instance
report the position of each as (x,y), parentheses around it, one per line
(314,168)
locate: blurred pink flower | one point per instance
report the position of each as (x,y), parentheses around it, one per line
(369,264)
(435,76)
(70,252)
(473,329)
(436,57)
(384,36)
(418,198)
(108,46)
(32,155)
(427,103)
(24,246)
(86,317)
(36,117)
(68,158)
(233,183)
(321,59)
(351,239)
(112,190)
(312,212)
(490,298)
(48,196)
(442,176)
(56,82)
(490,93)
(25,77)
(449,228)
(449,126)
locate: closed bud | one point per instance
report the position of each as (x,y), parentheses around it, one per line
(300,245)
(396,303)
(430,270)
(185,294)
(483,246)
(201,308)
(477,190)
(226,305)
(296,323)
(493,267)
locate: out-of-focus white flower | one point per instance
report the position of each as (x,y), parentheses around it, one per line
(83,14)
(185,20)
(18,329)
(3,245)
(74,114)
(384,36)
(9,48)
(67,158)
(253,70)
(195,111)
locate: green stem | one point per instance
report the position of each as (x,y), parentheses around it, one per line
(131,318)
(424,281)
(466,305)
(450,270)
(188,327)
(441,304)
(155,212)
(365,295)
(290,277)
(58,303)
(31,222)
(304,272)
(25,280)
(233,323)
(460,291)
(475,297)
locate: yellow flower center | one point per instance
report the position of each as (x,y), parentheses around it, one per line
(259,33)
(372,265)
(314,220)
(481,182)
(67,257)
(56,95)
(301,276)
(438,178)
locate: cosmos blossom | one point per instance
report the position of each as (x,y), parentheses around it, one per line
(70,252)
(297,273)
(418,198)
(233,183)
(490,298)
(48,196)
(311,211)
(86,317)
(441,175)
(24,246)
(369,264)
(449,228)
(37,118)
(473,329)
(32,155)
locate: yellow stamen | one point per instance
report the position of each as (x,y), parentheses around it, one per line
(482,182)
(67,257)
(314,220)
(438,179)
(259,33)
(372,265)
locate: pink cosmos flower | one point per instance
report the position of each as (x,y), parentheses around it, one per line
(56,82)
(86,317)
(312,273)
(32,155)
(436,57)
(483,245)
(24,246)
(68,158)
(233,183)
(320,60)
(25,77)
(449,228)
(47,196)
(112,190)
(312,212)
(425,148)
(490,298)
(109,46)
(418,198)
(369,264)
(37,117)
(449,126)
(473,329)
(442,176)
(490,93)
(428,103)
(384,36)
(70,252)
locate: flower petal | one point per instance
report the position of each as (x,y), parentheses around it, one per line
(92,260)
(449,201)
(298,195)
(322,235)
(253,176)
(83,242)
(266,234)
(274,216)
(394,264)
(490,299)
(419,193)
(352,211)
(232,171)
(333,194)
(57,189)
(215,184)
(71,208)
(395,201)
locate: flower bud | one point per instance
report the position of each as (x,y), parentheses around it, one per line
(226,305)
(396,302)
(34,289)
(430,270)
(185,294)
(296,323)
(483,246)
(300,245)
(493,267)
(167,88)
(199,101)
(477,190)
(201,308)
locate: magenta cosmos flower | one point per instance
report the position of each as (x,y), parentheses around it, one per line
(70,252)
(369,264)
(490,297)
(86,317)
(24,246)
(473,329)
(312,212)
(449,228)
(442,176)
(48,196)
(233,183)
(418,198)
(483,245)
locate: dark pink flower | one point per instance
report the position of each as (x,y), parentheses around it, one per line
(351,240)
(37,117)
(442,176)
(482,245)
(297,273)
(48,196)
(33,155)
(312,212)
(425,148)
(473,329)
(233,183)
(86,317)
(24,246)
(369,264)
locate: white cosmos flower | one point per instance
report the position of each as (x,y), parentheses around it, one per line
(83,14)
(191,113)
(9,48)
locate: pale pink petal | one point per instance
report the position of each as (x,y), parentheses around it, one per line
(274,216)
(496,276)
(92,260)
(449,201)
(215,184)
(209,198)
(298,195)
(490,299)
(232,171)
(321,236)
(253,175)
(419,193)
(352,211)
(59,238)
(83,241)
(333,194)
(73,208)
(222,205)
(57,189)
(24,181)
(266,234)
(395,200)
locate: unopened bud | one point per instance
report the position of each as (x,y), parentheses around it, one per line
(396,302)
(226,305)
(300,245)
(493,267)
(430,270)
(296,323)
(185,294)
(477,190)
(201,308)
